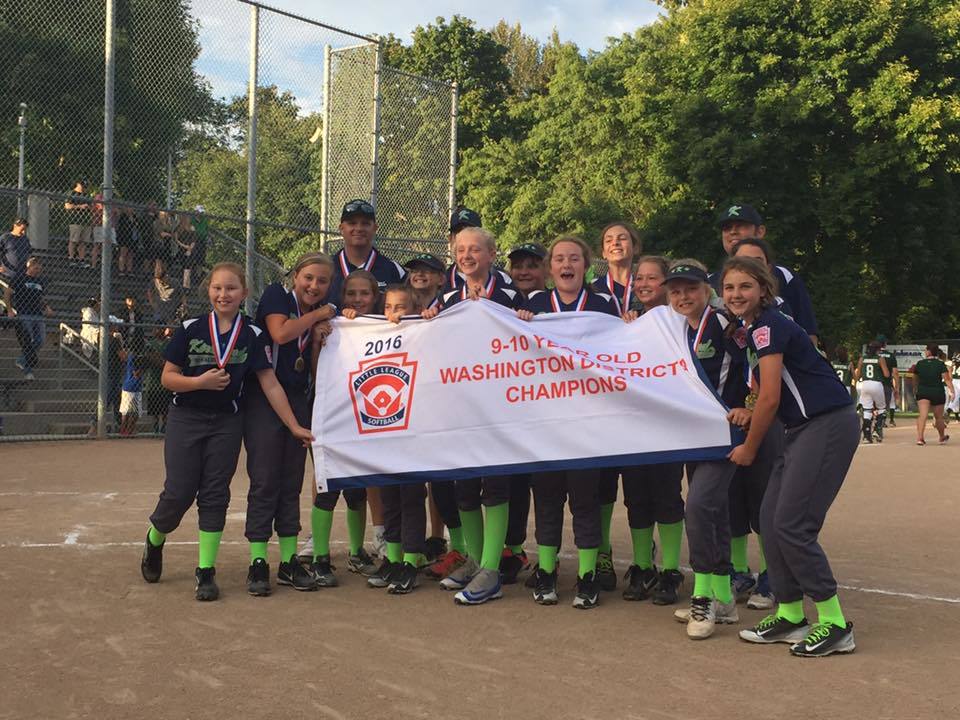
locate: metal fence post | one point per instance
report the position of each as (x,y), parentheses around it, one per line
(325,150)
(21,200)
(452,189)
(252,152)
(106,258)
(375,150)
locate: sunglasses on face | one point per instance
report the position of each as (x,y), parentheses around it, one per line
(358,206)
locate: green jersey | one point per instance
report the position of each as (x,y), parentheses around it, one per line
(871,368)
(929,374)
(843,372)
(891,360)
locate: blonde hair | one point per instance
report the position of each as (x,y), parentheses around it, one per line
(488,237)
(311,258)
(235,268)
(580,242)
(659,260)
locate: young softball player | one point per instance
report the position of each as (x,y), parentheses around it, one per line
(404,514)
(207,362)
(707,511)
(464,218)
(620,242)
(360,295)
(478,578)
(870,369)
(797,384)
(274,460)
(568,259)
(653,493)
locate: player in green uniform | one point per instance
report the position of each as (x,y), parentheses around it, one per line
(932,385)
(844,369)
(891,380)
(870,370)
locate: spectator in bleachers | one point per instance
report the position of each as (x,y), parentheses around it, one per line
(164,297)
(78,209)
(25,302)
(164,228)
(99,232)
(90,327)
(131,395)
(126,241)
(133,336)
(185,239)
(149,252)
(15,249)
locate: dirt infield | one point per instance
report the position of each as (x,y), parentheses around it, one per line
(84,637)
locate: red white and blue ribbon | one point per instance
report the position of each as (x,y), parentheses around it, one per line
(580,303)
(453,276)
(487,291)
(221,355)
(704,319)
(345,268)
(622,304)
(302,340)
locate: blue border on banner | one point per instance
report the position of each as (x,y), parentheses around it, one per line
(615,461)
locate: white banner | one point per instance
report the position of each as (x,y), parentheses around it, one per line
(477,391)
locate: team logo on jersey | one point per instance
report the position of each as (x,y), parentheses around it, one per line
(740,337)
(706,350)
(382,393)
(761,337)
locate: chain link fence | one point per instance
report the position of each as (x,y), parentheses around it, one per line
(176,165)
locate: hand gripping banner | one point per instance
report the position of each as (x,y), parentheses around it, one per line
(477,391)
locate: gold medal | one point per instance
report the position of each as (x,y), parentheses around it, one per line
(299,365)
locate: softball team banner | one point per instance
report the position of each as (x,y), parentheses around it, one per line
(477,391)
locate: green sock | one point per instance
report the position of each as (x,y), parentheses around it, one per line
(494,534)
(702,585)
(412,559)
(547,557)
(321,521)
(288,547)
(606,518)
(671,536)
(155,537)
(792,611)
(642,546)
(356,527)
(721,588)
(516,549)
(738,553)
(829,611)
(258,551)
(763,558)
(394,552)
(456,540)
(209,544)
(471,522)
(588,561)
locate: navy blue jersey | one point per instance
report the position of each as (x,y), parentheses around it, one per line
(277,300)
(453,278)
(385,270)
(622,296)
(723,360)
(549,301)
(28,294)
(191,349)
(808,385)
(495,289)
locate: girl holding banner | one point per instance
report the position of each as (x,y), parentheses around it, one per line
(568,260)
(274,461)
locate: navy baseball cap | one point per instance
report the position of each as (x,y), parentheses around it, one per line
(686,272)
(426,259)
(464,217)
(535,249)
(743,213)
(358,207)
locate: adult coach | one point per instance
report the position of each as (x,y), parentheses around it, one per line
(890,381)
(738,222)
(358,226)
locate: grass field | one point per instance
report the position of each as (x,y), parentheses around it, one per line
(84,637)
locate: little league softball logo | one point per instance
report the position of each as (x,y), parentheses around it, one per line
(382,393)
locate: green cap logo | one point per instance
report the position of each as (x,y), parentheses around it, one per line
(734,210)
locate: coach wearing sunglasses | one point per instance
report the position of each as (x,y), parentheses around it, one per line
(358,225)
